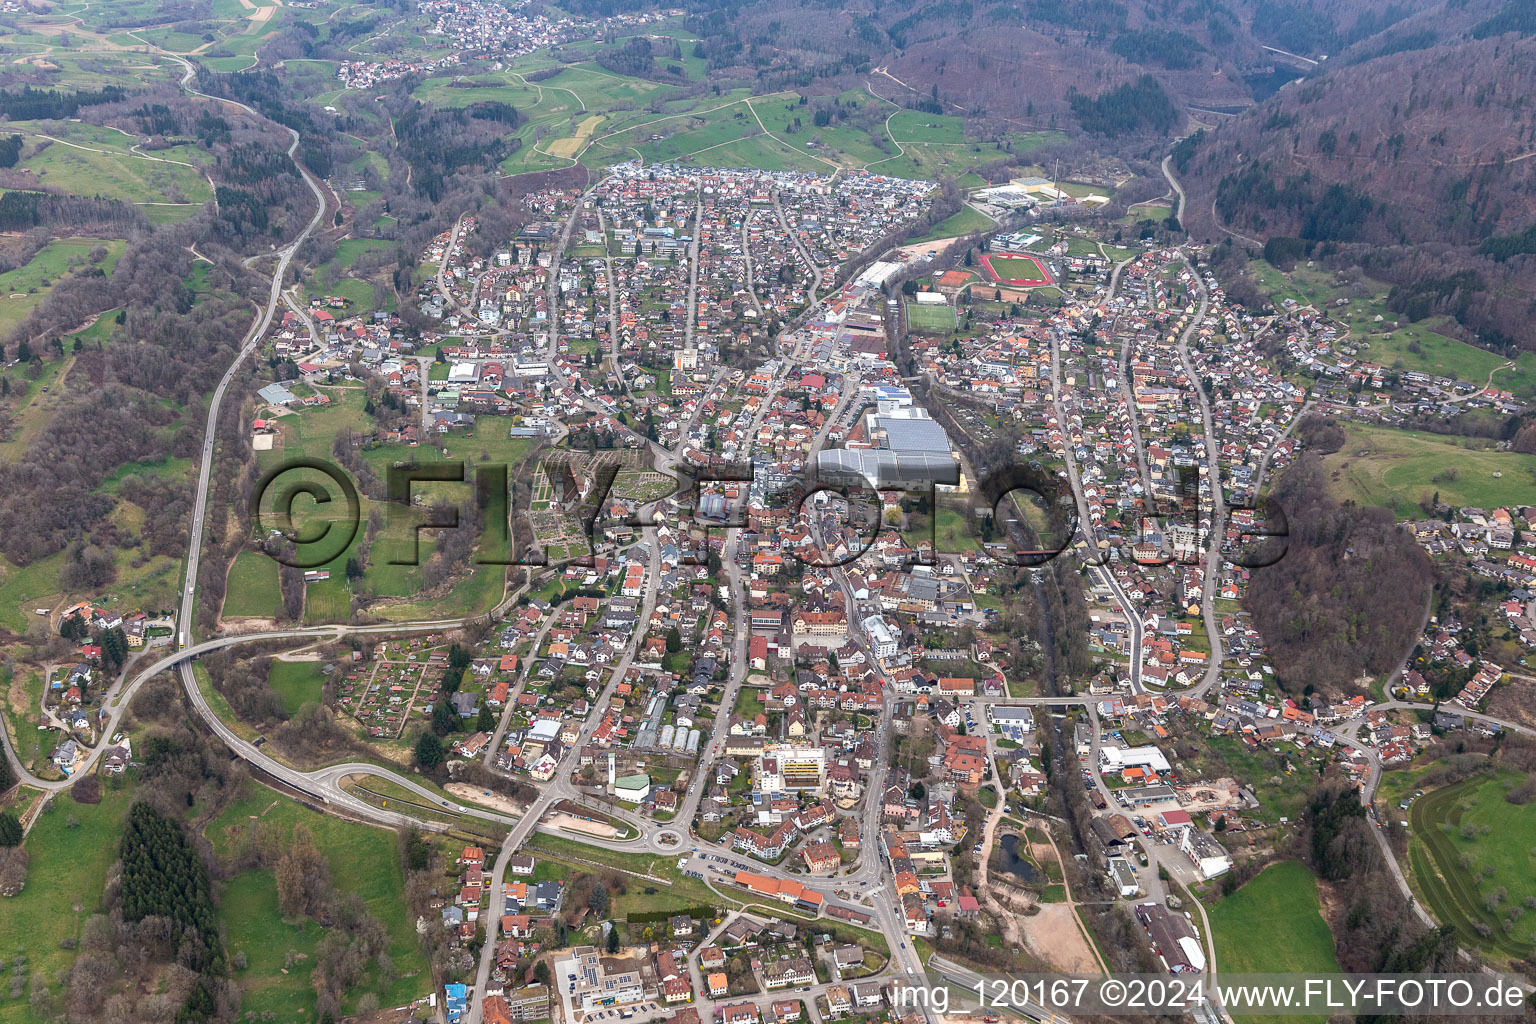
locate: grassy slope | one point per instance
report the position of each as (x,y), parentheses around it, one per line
(65,878)
(87,172)
(1274,924)
(691,130)
(362,859)
(297,682)
(1404,467)
(1417,346)
(253,587)
(964,222)
(33,281)
(1455,895)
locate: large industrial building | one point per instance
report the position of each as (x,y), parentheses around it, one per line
(908,451)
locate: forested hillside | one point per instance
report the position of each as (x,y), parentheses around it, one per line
(1349,595)
(1417,142)
(1020,61)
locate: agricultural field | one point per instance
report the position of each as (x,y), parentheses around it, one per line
(297,682)
(1397,469)
(1473,860)
(571,146)
(758,151)
(463,90)
(252,588)
(600,90)
(1274,924)
(92,70)
(362,859)
(588,114)
(684,135)
(116,143)
(937,317)
(1155,211)
(837,144)
(933,146)
(228,65)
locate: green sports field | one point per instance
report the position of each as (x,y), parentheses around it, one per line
(1007,267)
(932,317)
(1004,269)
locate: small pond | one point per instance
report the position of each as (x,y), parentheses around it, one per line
(1011,862)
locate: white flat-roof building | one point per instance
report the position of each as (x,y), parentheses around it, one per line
(593,981)
(876,274)
(1117,759)
(632,789)
(1124,877)
(1009,196)
(1013,722)
(786,767)
(913,453)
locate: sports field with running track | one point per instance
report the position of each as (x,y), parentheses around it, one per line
(1016,270)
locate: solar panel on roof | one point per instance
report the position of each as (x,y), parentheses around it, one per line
(914,435)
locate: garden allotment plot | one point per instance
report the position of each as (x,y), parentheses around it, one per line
(1017,270)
